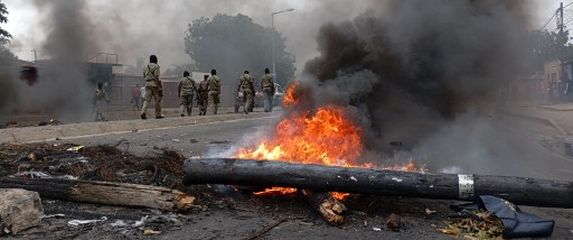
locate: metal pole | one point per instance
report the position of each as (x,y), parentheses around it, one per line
(273,43)
(561,22)
(273,38)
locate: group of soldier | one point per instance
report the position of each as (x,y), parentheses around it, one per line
(246,91)
(208,91)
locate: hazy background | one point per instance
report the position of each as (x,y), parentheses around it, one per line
(134,28)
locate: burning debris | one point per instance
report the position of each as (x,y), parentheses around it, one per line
(324,136)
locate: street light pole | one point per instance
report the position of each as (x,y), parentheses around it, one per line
(273,38)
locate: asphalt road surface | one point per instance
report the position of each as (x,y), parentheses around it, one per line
(191,141)
(239,216)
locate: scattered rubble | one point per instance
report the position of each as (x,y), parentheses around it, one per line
(478,225)
(99,163)
(83,222)
(150,232)
(393,222)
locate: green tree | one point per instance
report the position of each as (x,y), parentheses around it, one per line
(232,44)
(5,36)
(546,46)
(8,95)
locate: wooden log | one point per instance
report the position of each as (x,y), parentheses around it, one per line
(107,193)
(325,204)
(519,190)
(19,210)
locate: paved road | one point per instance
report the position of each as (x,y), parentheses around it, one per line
(195,140)
(239,217)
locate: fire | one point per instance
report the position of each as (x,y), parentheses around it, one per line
(289,98)
(276,190)
(325,136)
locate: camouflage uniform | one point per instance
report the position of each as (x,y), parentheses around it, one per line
(214,88)
(247,88)
(153,89)
(268,87)
(203,97)
(187,90)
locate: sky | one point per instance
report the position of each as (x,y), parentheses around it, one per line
(133,34)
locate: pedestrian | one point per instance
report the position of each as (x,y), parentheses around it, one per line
(247,89)
(268,88)
(153,88)
(99,97)
(214,88)
(203,95)
(136,97)
(142,90)
(186,92)
(238,101)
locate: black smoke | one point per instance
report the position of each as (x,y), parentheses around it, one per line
(433,60)
(72,38)
(429,75)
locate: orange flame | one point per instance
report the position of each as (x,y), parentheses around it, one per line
(325,136)
(276,190)
(289,98)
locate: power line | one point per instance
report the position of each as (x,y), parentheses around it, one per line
(549,21)
(555,15)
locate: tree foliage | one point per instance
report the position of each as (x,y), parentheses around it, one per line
(546,46)
(5,36)
(232,44)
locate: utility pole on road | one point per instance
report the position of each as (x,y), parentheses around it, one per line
(273,38)
(560,21)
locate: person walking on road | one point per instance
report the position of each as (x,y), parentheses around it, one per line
(186,92)
(153,88)
(214,88)
(136,97)
(203,96)
(99,97)
(268,88)
(247,89)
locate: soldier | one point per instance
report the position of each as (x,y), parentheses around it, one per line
(247,88)
(268,88)
(203,95)
(153,88)
(99,97)
(214,88)
(186,91)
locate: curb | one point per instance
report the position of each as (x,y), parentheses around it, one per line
(76,130)
(554,109)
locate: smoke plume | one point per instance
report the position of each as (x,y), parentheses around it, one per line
(427,74)
(63,88)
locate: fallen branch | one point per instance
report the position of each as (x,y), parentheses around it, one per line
(325,204)
(523,191)
(107,193)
